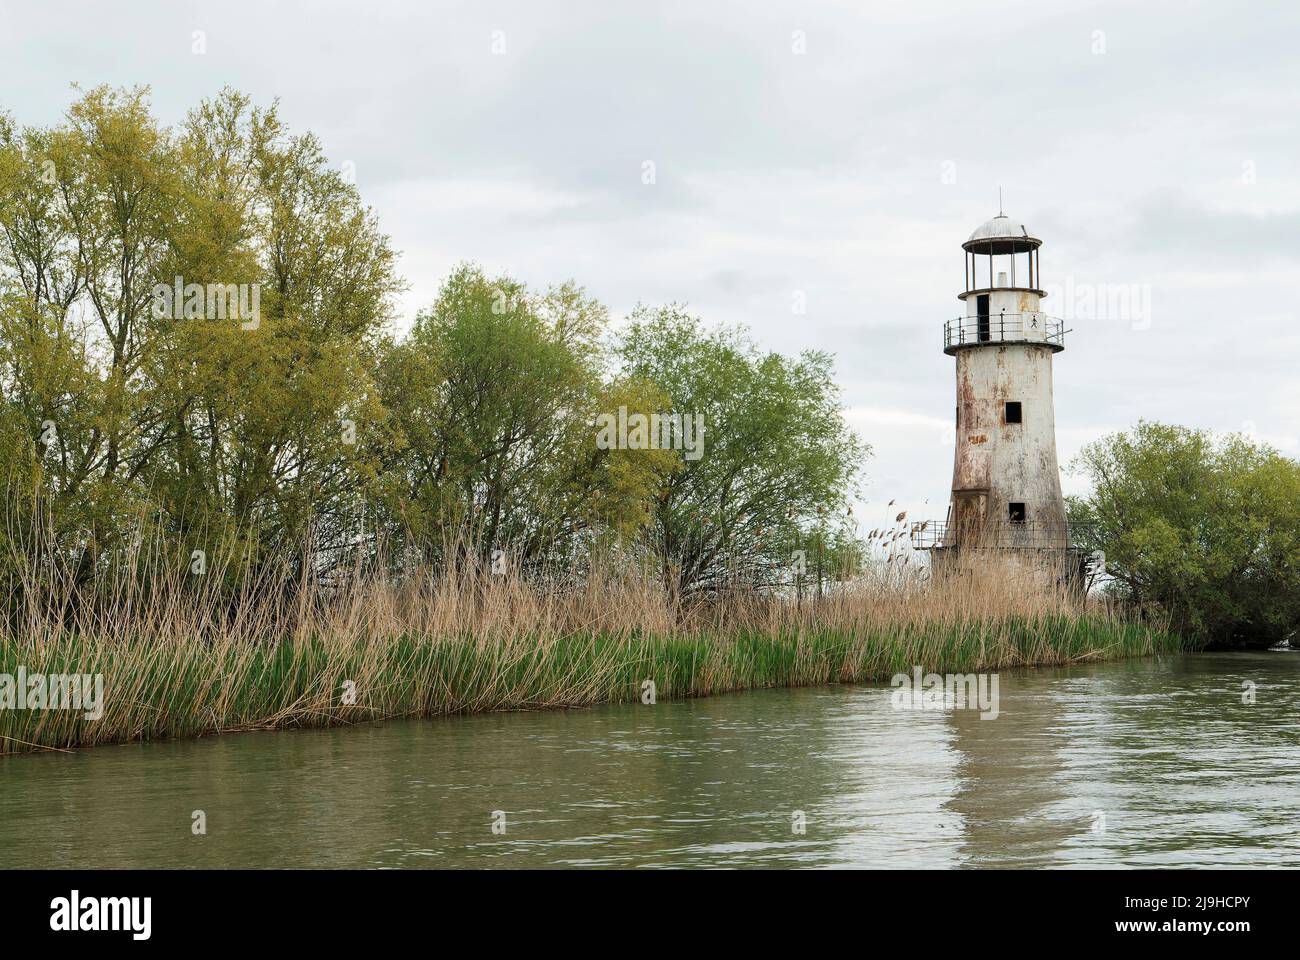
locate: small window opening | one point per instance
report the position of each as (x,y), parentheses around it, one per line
(1013,411)
(1016,512)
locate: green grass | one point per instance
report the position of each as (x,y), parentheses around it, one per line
(157,685)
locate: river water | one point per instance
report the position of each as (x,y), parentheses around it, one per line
(1143,764)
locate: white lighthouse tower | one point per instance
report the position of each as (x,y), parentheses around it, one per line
(1006,484)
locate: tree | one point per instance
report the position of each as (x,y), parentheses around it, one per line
(494,394)
(194,339)
(245,414)
(84,213)
(1206,530)
(278,428)
(777,460)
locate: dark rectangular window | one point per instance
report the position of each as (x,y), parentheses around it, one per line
(1013,411)
(1016,512)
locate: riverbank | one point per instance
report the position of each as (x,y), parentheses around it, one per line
(175,664)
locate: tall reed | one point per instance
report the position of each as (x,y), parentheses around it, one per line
(186,655)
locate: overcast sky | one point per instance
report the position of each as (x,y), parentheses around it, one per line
(838,151)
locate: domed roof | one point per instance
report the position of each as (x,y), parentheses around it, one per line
(1001,235)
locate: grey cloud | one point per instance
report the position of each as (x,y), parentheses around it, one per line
(779,172)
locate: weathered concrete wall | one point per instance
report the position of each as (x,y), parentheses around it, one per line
(995,462)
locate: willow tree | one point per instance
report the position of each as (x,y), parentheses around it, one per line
(84,209)
(778,464)
(280,426)
(494,394)
(257,425)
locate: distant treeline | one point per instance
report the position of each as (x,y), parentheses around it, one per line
(197,348)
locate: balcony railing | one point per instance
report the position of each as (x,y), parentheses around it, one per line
(1003,328)
(1036,534)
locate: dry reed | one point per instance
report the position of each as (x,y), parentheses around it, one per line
(183,656)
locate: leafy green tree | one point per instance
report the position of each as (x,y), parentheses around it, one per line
(138,396)
(494,394)
(776,464)
(278,423)
(1206,530)
(84,213)
(245,431)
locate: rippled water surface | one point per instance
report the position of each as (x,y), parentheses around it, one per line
(1142,764)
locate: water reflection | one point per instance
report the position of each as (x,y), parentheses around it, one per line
(1183,773)
(1144,764)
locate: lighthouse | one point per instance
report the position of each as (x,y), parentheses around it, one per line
(1006,483)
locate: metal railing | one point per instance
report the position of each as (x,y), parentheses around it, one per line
(1004,328)
(1037,534)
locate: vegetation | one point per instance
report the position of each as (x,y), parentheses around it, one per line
(1205,530)
(492,400)
(311,427)
(231,489)
(779,454)
(294,654)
